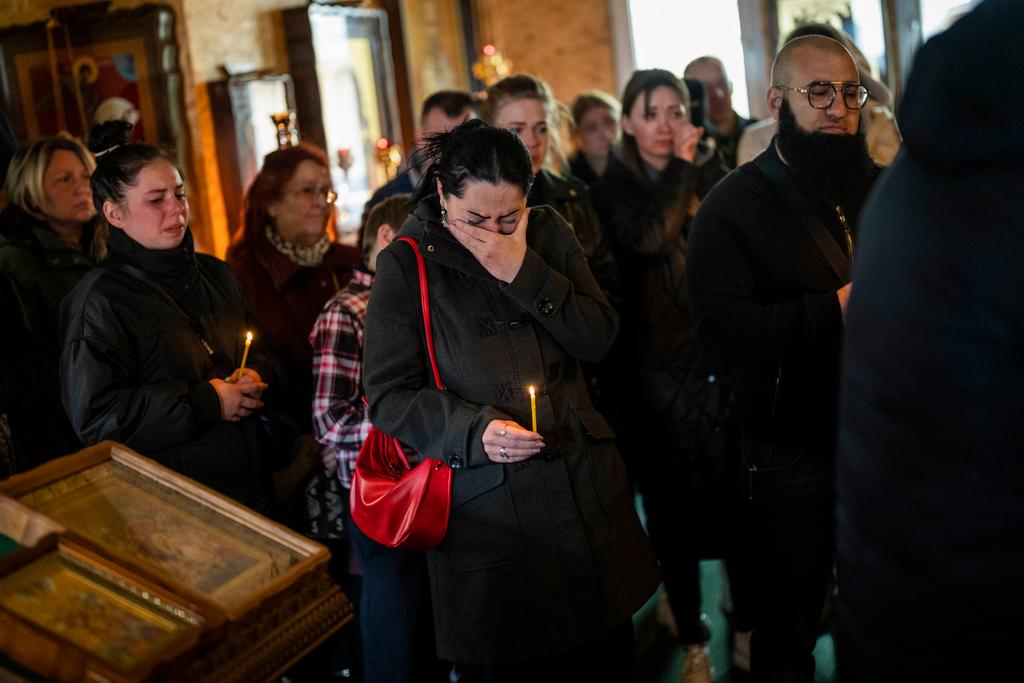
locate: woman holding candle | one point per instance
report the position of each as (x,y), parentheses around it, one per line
(544,560)
(152,338)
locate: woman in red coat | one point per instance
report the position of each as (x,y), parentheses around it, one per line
(288,265)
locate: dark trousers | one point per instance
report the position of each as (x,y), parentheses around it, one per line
(789,529)
(608,659)
(688,474)
(395,616)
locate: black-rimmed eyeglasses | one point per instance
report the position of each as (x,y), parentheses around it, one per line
(821,94)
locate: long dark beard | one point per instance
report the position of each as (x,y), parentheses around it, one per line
(834,169)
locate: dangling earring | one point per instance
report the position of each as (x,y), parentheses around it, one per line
(444,216)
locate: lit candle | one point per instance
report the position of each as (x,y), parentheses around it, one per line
(533,407)
(245,354)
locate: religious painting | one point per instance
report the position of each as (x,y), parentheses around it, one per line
(163,546)
(90,64)
(118,508)
(107,83)
(105,614)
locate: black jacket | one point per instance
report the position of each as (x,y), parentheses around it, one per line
(929,471)
(571,199)
(138,354)
(647,222)
(543,555)
(582,170)
(764,297)
(41,269)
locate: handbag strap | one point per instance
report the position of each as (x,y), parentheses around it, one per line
(421,265)
(771,166)
(205,338)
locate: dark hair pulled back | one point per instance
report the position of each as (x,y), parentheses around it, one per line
(475,152)
(118,161)
(641,84)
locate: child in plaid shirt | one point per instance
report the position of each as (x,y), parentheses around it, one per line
(340,423)
(393,608)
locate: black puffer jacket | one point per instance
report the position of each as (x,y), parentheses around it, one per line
(648,220)
(41,269)
(136,369)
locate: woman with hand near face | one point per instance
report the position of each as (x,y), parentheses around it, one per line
(544,560)
(647,200)
(523,104)
(288,265)
(153,337)
(48,241)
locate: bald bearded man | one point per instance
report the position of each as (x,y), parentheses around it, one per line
(768,270)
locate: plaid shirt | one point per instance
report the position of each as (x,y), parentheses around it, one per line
(340,422)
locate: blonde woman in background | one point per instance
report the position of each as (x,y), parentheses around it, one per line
(48,241)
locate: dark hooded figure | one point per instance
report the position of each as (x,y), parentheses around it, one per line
(931,514)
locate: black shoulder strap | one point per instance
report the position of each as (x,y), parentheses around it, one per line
(146,278)
(770,165)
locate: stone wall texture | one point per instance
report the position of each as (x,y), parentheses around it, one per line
(565,42)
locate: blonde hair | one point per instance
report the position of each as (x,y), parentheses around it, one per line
(528,87)
(24,183)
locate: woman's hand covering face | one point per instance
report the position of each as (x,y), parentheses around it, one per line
(490,221)
(500,254)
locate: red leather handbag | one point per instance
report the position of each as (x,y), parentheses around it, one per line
(393,503)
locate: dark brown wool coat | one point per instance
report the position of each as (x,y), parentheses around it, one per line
(541,555)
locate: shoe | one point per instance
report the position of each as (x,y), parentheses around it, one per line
(696,665)
(741,650)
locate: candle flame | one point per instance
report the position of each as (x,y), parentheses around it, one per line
(248,336)
(533,391)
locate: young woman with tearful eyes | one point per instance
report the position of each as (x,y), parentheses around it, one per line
(49,240)
(673,415)
(152,338)
(544,560)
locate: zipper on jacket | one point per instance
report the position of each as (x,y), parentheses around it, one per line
(751,471)
(846,231)
(206,345)
(775,394)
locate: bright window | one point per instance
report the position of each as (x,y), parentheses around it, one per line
(938,15)
(669,35)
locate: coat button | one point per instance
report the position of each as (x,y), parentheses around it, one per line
(572,192)
(430,248)
(546,306)
(455,462)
